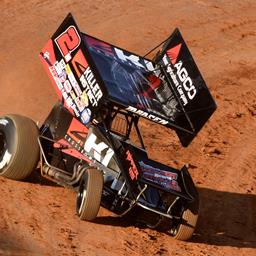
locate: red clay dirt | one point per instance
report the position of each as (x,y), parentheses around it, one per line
(37,218)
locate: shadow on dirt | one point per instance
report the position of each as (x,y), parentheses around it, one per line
(10,246)
(18,244)
(36,178)
(125,221)
(226,219)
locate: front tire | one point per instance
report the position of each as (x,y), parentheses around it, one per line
(19,149)
(89,194)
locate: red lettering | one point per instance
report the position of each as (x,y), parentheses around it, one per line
(133,172)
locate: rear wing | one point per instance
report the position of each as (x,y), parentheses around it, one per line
(88,73)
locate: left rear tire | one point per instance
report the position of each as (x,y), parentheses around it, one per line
(19,148)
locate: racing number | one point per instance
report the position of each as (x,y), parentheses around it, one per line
(67,42)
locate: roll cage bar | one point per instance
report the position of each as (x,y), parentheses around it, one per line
(120,122)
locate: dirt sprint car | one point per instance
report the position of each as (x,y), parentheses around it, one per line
(87,141)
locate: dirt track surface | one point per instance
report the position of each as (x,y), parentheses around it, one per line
(39,219)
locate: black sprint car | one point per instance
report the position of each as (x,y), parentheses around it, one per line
(85,143)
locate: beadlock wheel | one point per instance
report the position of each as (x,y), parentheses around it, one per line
(89,194)
(19,149)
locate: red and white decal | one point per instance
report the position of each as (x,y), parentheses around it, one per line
(173,53)
(164,178)
(67,42)
(179,75)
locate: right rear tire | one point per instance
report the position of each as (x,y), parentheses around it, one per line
(183,226)
(189,217)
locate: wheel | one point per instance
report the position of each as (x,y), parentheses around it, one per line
(89,194)
(19,149)
(184,227)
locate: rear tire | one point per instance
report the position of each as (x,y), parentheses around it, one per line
(19,148)
(89,194)
(187,224)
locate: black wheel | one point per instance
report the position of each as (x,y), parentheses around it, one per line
(89,194)
(19,149)
(184,226)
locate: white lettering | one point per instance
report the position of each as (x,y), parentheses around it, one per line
(147,115)
(91,146)
(186,80)
(91,86)
(132,58)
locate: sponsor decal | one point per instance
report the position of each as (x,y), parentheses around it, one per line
(82,101)
(75,84)
(73,95)
(74,108)
(100,151)
(79,104)
(163,178)
(67,69)
(69,101)
(147,115)
(67,86)
(86,144)
(3,122)
(186,80)
(55,77)
(179,75)
(87,79)
(91,86)
(86,116)
(178,86)
(59,67)
(133,172)
(132,59)
(6,159)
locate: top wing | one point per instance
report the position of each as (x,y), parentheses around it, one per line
(170,91)
(87,72)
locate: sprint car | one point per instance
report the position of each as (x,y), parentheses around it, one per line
(91,140)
